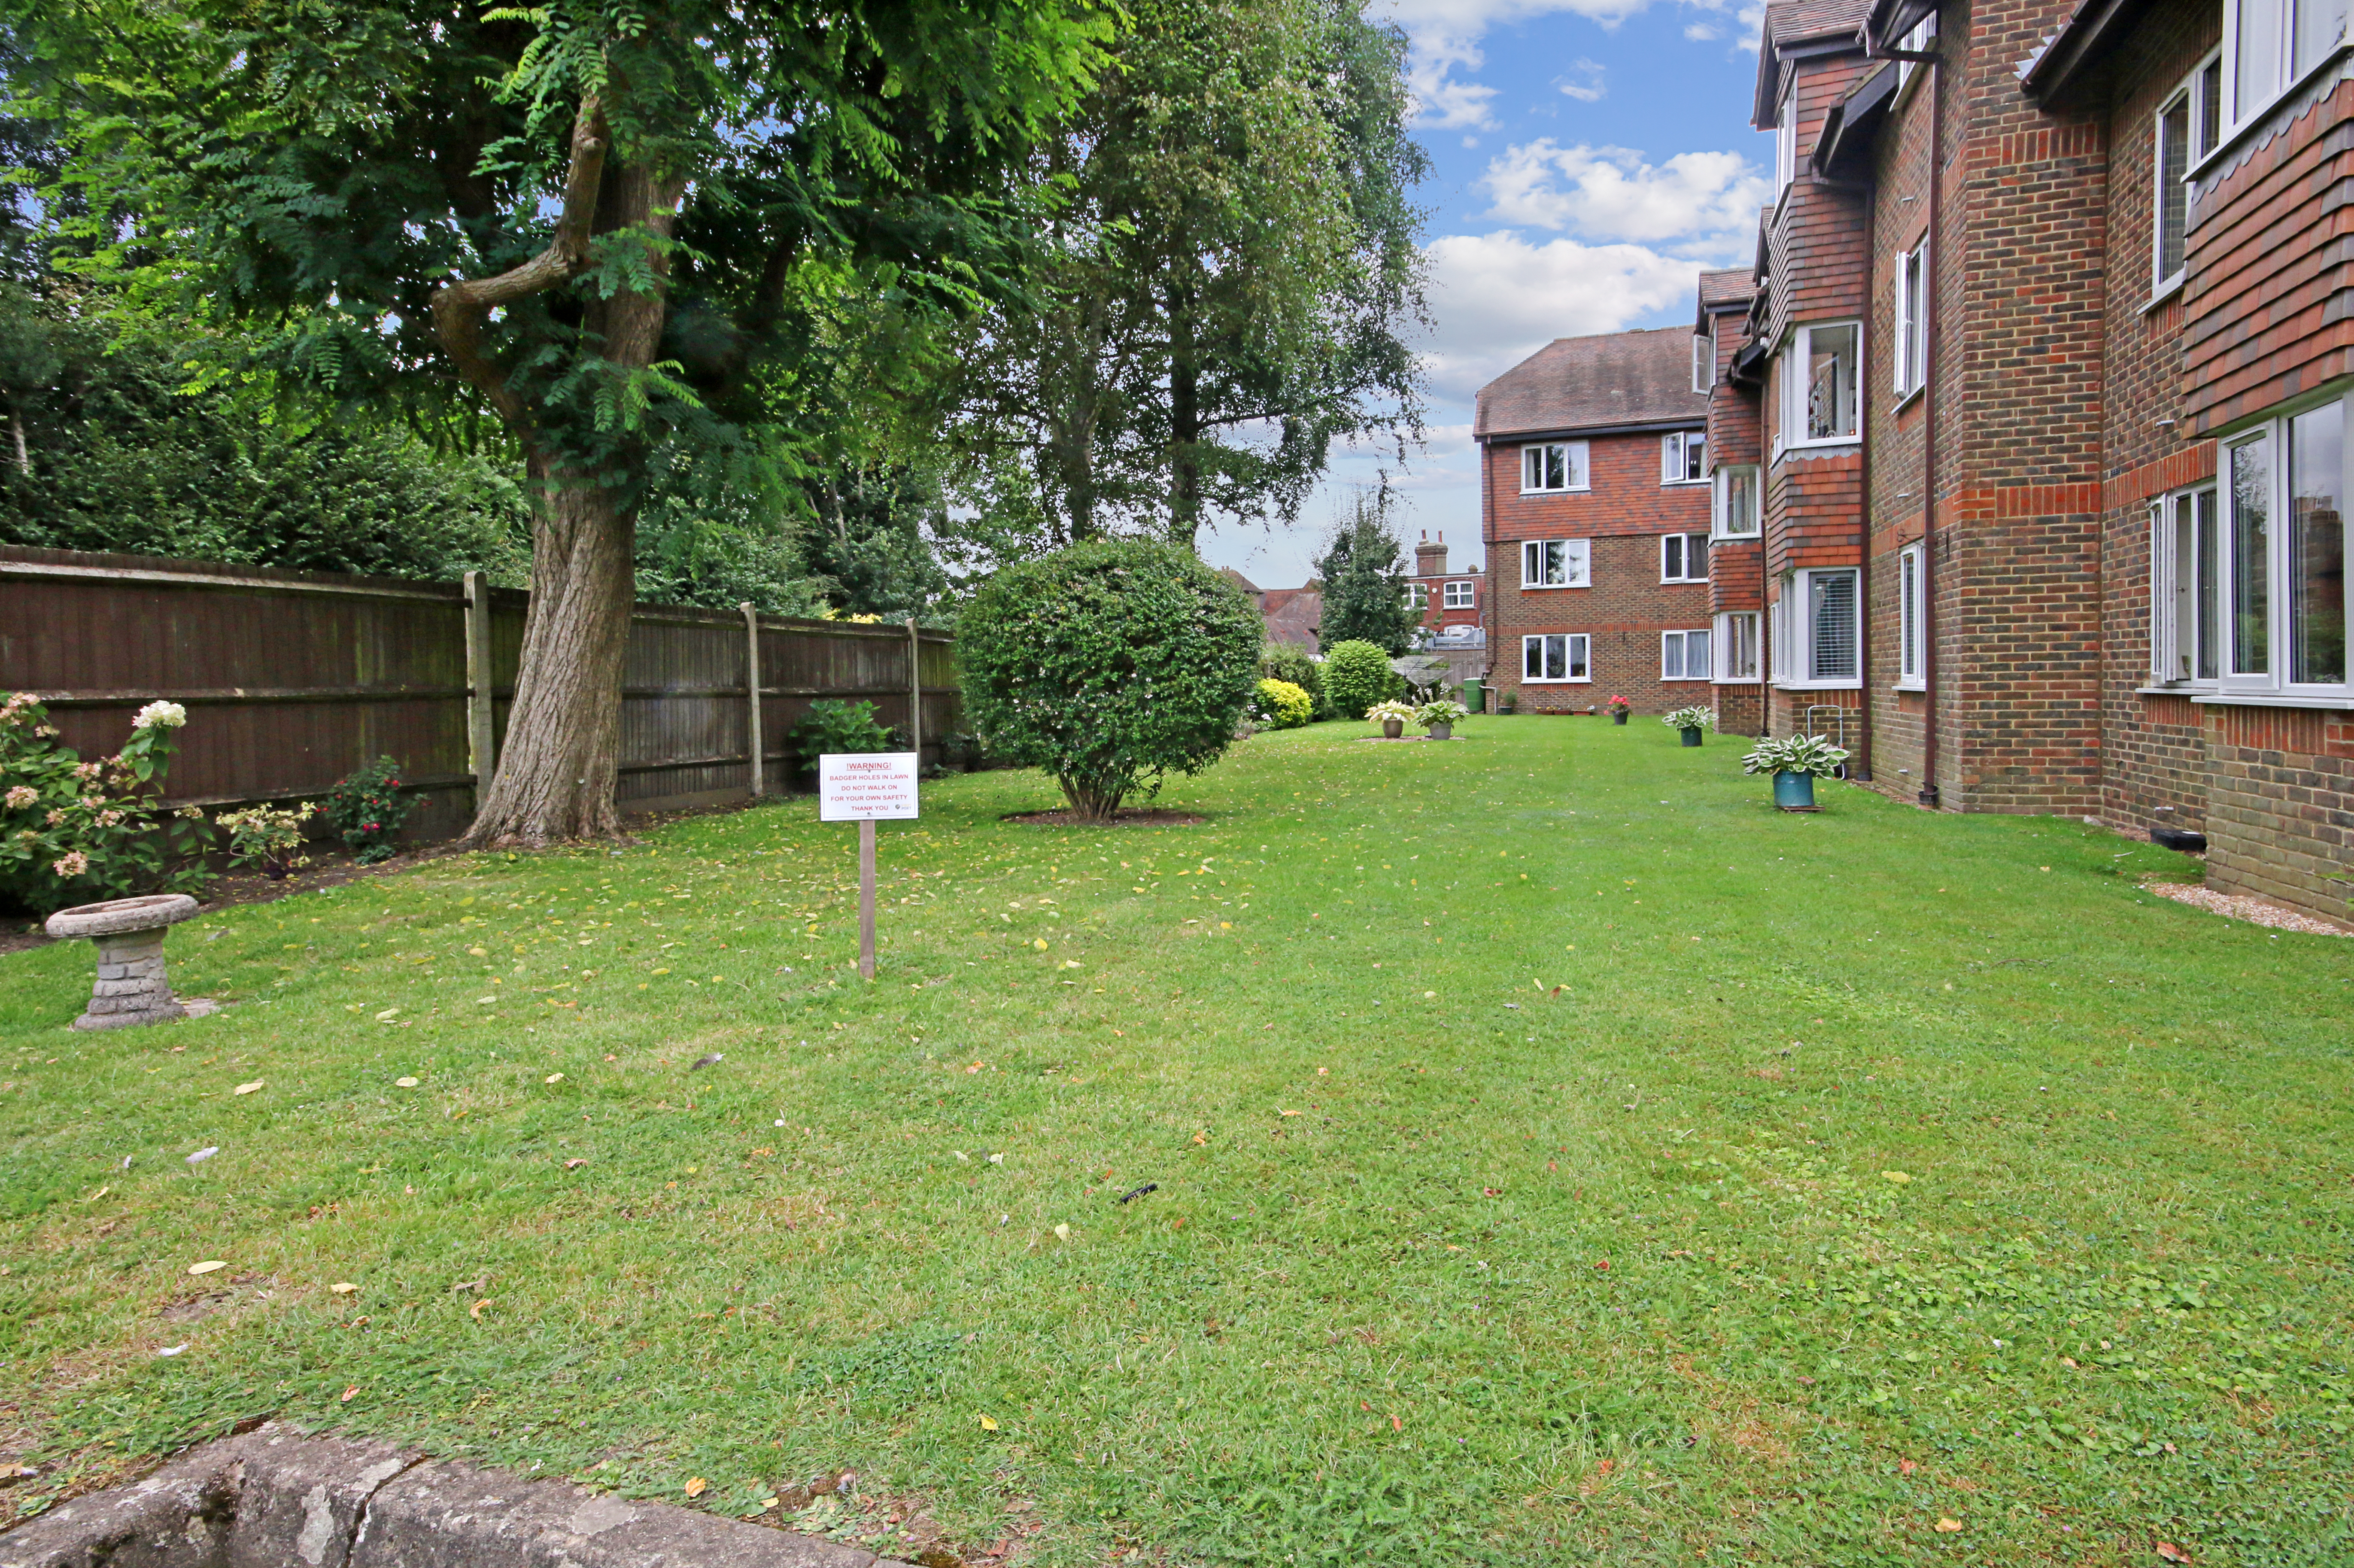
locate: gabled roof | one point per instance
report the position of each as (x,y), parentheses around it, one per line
(1843,150)
(1609,381)
(1804,27)
(2065,60)
(1722,289)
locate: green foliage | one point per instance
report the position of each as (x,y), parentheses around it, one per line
(1290,662)
(1282,705)
(1384,712)
(1808,754)
(1693,718)
(77,832)
(1110,665)
(832,726)
(1364,576)
(1441,710)
(1358,675)
(366,809)
(268,839)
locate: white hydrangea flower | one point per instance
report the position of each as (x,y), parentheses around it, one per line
(170,716)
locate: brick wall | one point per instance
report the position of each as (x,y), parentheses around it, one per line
(2280,805)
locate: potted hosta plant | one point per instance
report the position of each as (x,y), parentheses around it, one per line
(1392,716)
(1438,716)
(1691,722)
(1795,761)
(1619,708)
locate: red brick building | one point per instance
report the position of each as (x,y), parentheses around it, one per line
(1594,515)
(2038,388)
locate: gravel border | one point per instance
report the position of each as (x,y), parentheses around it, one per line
(2247,906)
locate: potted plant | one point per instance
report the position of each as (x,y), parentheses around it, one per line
(1796,762)
(1438,718)
(1691,721)
(1392,716)
(1619,708)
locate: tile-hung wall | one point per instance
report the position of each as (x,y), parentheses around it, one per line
(1737,554)
(1597,567)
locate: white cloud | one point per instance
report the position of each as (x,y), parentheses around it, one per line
(1500,299)
(1702,33)
(1590,89)
(1610,193)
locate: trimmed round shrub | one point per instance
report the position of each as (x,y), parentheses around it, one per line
(1109,664)
(1357,676)
(1290,662)
(1282,705)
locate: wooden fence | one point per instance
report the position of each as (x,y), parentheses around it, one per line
(294,679)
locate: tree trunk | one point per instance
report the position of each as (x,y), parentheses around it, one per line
(1184,424)
(1092,802)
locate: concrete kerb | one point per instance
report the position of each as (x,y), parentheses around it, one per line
(277,1499)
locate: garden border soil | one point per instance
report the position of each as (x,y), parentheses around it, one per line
(278,1498)
(1126,817)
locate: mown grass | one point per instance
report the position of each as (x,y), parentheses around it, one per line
(1560,1157)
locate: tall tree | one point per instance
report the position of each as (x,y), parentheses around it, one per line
(1365,576)
(1228,287)
(597,225)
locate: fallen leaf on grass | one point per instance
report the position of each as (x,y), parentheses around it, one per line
(348,1394)
(170,1350)
(1947,1526)
(555,1077)
(388,1015)
(405,1083)
(1906,1465)
(696,1486)
(1062,1233)
(2171,1552)
(475,1311)
(1286,1113)
(702,1062)
(206,1267)
(988,1424)
(343,1287)
(1899,1177)
(201,1154)
(575,1164)
(248,1088)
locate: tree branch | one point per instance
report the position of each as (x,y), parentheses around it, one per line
(459,309)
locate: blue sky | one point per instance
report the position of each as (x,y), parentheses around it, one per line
(1590,156)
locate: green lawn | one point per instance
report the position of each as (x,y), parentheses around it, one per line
(1561,1157)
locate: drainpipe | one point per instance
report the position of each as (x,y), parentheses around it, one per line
(1488,612)
(1862,774)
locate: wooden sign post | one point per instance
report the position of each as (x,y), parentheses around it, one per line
(866,788)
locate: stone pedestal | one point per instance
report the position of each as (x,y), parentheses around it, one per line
(132,986)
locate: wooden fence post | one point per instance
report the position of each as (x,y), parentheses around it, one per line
(482,688)
(752,693)
(916,690)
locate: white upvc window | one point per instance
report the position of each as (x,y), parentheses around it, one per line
(1418,596)
(1684,458)
(1818,384)
(1458,595)
(1911,355)
(1786,144)
(1737,648)
(1818,635)
(1556,656)
(2269,45)
(1683,558)
(1703,362)
(2188,126)
(1683,656)
(1735,510)
(2186,560)
(1917,41)
(1554,465)
(1556,563)
(1910,582)
(2279,571)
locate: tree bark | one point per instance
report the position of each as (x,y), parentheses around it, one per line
(1184,424)
(1094,803)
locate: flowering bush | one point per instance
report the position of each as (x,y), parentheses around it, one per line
(1441,710)
(73,831)
(1691,718)
(1382,713)
(1619,705)
(1808,754)
(1280,704)
(267,838)
(367,809)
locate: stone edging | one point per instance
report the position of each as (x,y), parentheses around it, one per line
(279,1498)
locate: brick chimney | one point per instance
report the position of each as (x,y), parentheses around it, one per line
(1430,557)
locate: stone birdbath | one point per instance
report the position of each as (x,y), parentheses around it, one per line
(132,986)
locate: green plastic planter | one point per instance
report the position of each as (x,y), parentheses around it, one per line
(1691,735)
(1794,791)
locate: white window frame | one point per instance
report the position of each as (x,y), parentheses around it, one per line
(1577,651)
(1911,668)
(1418,597)
(2271,484)
(1923,34)
(1577,558)
(2180,568)
(1793,636)
(1703,361)
(1681,667)
(1462,594)
(1785,144)
(1680,452)
(1678,551)
(1574,468)
(1795,358)
(2286,73)
(2203,132)
(1722,646)
(1911,350)
(1721,500)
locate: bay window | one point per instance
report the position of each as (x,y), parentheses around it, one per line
(1735,508)
(1556,563)
(2188,127)
(1819,386)
(1554,656)
(1737,648)
(2270,45)
(1817,634)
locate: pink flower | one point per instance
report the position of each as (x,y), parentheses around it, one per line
(72,865)
(92,802)
(56,815)
(22,795)
(86,770)
(108,819)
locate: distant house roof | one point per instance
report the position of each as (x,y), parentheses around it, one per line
(1616,379)
(1726,286)
(1293,615)
(1240,582)
(1833,25)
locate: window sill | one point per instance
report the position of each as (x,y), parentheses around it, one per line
(2166,691)
(1684,582)
(1551,587)
(1916,687)
(1906,399)
(2270,700)
(1557,680)
(2166,294)
(1818,448)
(1734,681)
(1734,538)
(1566,490)
(1681,483)
(1684,679)
(2256,120)
(1818,686)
